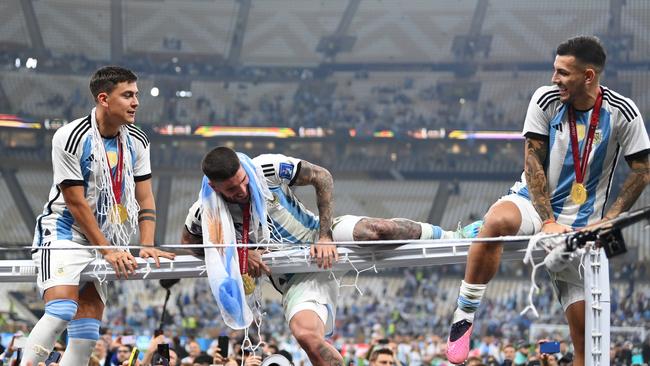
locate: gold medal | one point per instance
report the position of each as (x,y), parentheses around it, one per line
(249,283)
(119,214)
(578,193)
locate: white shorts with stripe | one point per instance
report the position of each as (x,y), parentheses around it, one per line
(64,267)
(567,284)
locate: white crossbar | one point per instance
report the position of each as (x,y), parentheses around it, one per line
(281,261)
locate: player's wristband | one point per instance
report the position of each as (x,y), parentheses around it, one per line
(548,221)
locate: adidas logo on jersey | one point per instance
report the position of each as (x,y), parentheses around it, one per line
(557,126)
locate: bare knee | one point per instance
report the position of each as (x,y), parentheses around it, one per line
(90,304)
(503,218)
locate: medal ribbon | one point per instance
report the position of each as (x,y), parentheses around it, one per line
(243,252)
(116,179)
(580,166)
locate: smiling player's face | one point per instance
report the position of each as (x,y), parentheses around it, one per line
(571,77)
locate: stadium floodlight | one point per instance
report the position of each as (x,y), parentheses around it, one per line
(31,63)
(154,92)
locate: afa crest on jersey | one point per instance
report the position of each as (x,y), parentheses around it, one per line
(598,136)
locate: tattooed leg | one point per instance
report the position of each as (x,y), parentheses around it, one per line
(386,229)
(309,331)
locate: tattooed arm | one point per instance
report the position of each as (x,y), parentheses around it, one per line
(321,179)
(633,186)
(535,155)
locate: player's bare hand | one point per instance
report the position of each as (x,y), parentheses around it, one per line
(255,264)
(155,253)
(122,262)
(325,253)
(555,228)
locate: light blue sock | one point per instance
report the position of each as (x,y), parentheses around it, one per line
(44,334)
(469,299)
(430,231)
(82,336)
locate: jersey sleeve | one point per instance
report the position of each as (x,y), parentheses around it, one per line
(65,164)
(193,219)
(540,111)
(278,169)
(633,136)
(142,161)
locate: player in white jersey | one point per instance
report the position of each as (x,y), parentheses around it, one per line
(309,299)
(101,191)
(575,131)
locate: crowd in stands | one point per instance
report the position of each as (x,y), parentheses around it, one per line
(408,321)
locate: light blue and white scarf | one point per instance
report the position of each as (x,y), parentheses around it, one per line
(222,263)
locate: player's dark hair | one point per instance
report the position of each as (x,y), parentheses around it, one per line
(586,49)
(106,79)
(220,163)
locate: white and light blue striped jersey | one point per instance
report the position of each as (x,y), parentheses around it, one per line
(292,221)
(620,131)
(71,164)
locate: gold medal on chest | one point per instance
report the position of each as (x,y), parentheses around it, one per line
(578,193)
(119,214)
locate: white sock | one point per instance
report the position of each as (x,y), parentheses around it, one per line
(78,352)
(42,338)
(469,299)
(430,231)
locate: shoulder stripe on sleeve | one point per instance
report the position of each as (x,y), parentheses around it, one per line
(621,104)
(81,135)
(73,140)
(550,101)
(621,99)
(546,95)
(143,142)
(621,109)
(138,134)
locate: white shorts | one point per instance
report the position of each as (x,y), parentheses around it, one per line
(567,284)
(64,267)
(343,227)
(317,292)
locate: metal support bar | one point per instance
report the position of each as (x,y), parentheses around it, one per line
(597,307)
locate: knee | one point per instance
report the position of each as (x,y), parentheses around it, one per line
(90,308)
(307,338)
(499,222)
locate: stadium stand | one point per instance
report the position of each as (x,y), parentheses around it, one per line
(69,29)
(12,25)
